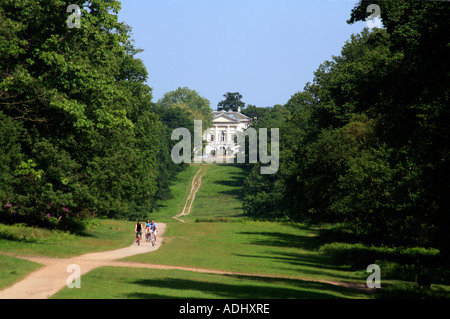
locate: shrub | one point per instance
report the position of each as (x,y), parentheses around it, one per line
(410,291)
(360,255)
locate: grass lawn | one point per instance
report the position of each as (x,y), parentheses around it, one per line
(220,196)
(14,269)
(215,235)
(134,283)
(33,241)
(180,191)
(239,244)
(250,247)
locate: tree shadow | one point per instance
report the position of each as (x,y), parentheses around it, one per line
(338,233)
(262,288)
(311,261)
(279,239)
(314,265)
(235,181)
(141,295)
(11,237)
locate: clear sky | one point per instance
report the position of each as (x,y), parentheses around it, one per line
(267,50)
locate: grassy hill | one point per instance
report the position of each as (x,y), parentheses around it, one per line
(279,260)
(259,258)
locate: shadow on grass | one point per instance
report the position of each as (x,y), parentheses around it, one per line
(311,261)
(279,239)
(317,266)
(236,190)
(313,239)
(234,181)
(12,237)
(260,288)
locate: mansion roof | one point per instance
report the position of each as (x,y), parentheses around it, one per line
(229,116)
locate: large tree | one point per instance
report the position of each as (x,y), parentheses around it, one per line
(196,106)
(233,102)
(76,113)
(413,104)
(367,141)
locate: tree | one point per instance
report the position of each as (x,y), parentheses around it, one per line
(10,158)
(366,142)
(196,106)
(254,113)
(172,117)
(77,112)
(232,102)
(413,112)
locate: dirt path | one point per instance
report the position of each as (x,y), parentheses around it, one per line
(195,186)
(51,278)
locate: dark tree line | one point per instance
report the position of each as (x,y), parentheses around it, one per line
(79,135)
(367,142)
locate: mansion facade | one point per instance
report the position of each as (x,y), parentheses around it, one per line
(222,137)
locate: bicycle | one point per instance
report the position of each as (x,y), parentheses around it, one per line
(147,236)
(153,239)
(138,238)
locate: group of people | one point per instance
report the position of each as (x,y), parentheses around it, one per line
(150,227)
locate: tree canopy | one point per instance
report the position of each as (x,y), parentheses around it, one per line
(80,136)
(232,102)
(367,142)
(189,101)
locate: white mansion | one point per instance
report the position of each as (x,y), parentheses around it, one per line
(222,137)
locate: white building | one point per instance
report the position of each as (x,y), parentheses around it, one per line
(222,137)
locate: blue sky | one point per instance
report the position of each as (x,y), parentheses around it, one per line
(267,50)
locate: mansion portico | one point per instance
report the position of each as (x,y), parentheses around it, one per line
(222,137)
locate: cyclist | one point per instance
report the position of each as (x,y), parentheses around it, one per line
(153,228)
(138,229)
(147,229)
